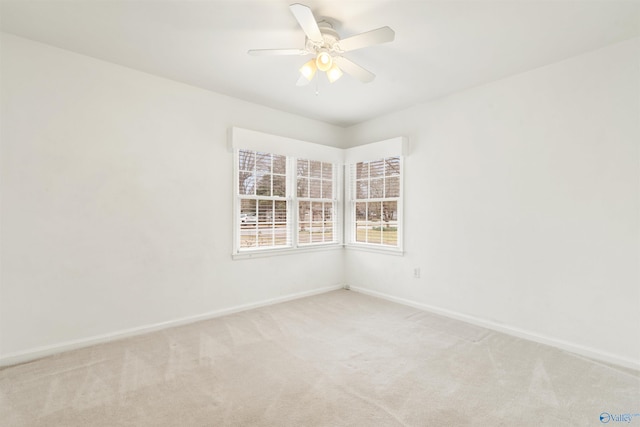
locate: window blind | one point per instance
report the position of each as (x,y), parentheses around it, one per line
(317,203)
(374,188)
(287,193)
(264,208)
(376,203)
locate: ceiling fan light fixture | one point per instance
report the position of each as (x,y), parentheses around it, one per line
(324,61)
(334,73)
(308,70)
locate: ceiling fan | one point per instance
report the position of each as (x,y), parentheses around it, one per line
(324,43)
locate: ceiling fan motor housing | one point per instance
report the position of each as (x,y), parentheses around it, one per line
(330,40)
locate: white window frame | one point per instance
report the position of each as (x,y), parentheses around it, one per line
(344,213)
(395,147)
(336,190)
(243,139)
(350,218)
(238,204)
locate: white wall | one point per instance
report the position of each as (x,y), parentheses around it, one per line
(117,202)
(522,205)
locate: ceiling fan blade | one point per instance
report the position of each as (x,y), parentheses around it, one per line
(354,69)
(378,36)
(307,22)
(269,52)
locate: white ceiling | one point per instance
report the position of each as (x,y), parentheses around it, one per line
(440,46)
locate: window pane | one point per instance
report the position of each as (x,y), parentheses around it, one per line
(376,168)
(265,212)
(316,169)
(374,234)
(374,211)
(390,234)
(248,237)
(376,188)
(327,189)
(246,182)
(303,187)
(246,160)
(279,164)
(327,171)
(390,211)
(317,213)
(304,233)
(280,230)
(361,211)
(280,235)
(392,187)
(247,207)
(280,212)
(317,236)
(328,233)
(315,188)
(304,211)
(328,212)
(264,185)
(263,162)
(392,166)
(303,168)
(362,170)
(362,189)
(248,215)
(361,232)
(248,224)
(279,185)
(317,226)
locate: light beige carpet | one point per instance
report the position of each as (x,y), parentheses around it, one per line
(337,359)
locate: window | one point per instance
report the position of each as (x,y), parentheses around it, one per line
(264,206)
(288,194)
(376,201)
(316,202)
(265,201)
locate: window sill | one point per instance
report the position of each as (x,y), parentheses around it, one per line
(376,249)
(261,253)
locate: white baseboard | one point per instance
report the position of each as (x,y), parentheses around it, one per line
(509,330)
(36,353)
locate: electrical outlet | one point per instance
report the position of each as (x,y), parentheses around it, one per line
(416,273)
